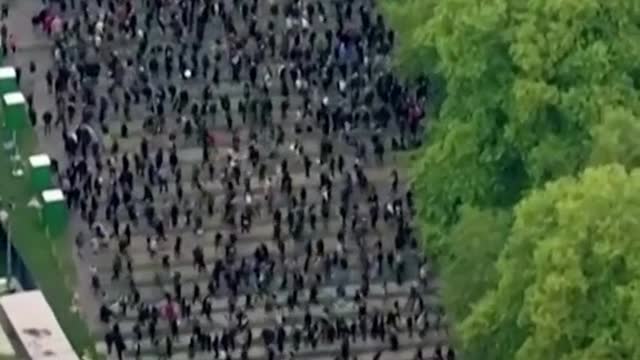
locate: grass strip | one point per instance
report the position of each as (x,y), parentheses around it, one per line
(48,258)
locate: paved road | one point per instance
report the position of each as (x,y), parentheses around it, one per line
(154,280)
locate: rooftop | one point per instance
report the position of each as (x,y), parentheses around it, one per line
(7,72)
(33,322)
(53,195)
(39,160)
(14,98)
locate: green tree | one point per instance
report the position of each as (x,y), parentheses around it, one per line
(529,85)
(476,242)
(616,138)
(569,274)
(411,58)
(536,91)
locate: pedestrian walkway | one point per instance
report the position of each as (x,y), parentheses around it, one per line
(231,167)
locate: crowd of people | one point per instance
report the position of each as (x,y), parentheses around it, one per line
(232,163)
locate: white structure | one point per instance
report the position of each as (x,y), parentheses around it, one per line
(14,98)
(40,160)
(7,72)
(31,320)
(53,195)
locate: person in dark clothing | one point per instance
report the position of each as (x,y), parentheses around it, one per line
(274,116)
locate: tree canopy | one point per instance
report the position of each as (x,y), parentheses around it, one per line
(569,275)
(518,182)
(477,240)
(529,86)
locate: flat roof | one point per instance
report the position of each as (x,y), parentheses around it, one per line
(6,345)
(7,72)
(39,160)
(52,195)
(36,326)
(14,98)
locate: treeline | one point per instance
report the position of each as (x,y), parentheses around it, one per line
(528,185)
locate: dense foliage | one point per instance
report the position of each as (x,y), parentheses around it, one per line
(526,185)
